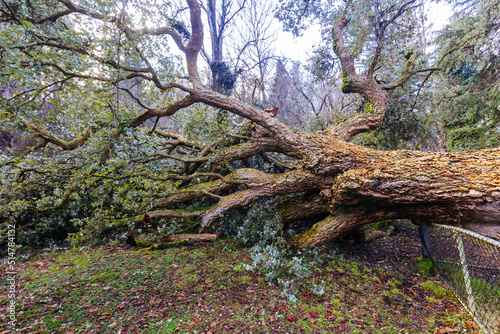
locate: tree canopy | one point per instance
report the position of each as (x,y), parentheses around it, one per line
(119,120)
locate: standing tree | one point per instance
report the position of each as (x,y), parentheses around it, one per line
(97,165)
(256,51)
(219,18)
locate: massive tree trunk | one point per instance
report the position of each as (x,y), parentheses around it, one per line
(361,185)
(345,184)
(443,188)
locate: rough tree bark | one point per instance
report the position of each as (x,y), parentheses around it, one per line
(349,184)
(362,185)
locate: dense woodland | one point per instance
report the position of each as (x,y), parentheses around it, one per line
(149,119)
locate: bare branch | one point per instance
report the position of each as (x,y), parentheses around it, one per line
(135,98)
(66,145)
(157,156)
(179,139)
(159,31)
(166,111)
(380,32)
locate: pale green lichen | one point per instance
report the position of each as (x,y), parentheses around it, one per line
(345,82)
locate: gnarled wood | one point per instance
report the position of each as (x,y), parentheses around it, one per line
(452,188)
(354,185)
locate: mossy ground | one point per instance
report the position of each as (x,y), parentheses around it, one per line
(205,288)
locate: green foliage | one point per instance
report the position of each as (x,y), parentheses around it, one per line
(469,93)
(52,201)
(322,64)
(261,224)
(260,227)
(366,19)
(62,76)
(425,266)
(201,124)
(409,122)
(379,225)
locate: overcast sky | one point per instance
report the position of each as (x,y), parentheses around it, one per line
(298,48)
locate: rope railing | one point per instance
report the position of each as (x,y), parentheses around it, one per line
(470,264)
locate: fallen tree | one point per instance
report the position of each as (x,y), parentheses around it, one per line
(327,175)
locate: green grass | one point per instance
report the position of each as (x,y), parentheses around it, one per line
(424,266)
(206,287)
(437,289)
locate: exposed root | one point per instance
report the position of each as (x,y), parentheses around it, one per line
(302,207)
(266,185)
(338,223)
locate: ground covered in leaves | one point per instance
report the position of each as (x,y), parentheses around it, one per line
(375,287)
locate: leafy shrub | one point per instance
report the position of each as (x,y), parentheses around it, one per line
(261,228)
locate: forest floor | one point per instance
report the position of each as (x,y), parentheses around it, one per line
(375,287)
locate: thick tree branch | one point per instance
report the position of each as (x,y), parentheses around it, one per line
(162,112)
(265,185)
(243,151)
(195,43)
(66,145)
(286,136)
(452,188)
(302,207)
(473,176)
(197,191)
(354,83)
